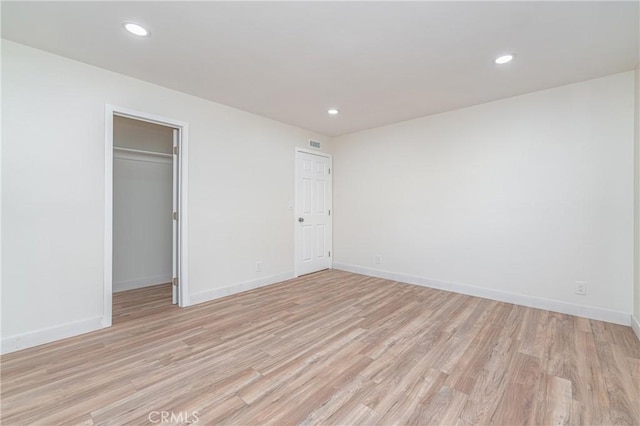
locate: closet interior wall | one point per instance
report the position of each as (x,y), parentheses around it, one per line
(142,204)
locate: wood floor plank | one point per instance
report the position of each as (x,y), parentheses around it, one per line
(331,348)
(516,402)
(445,407)
(559,403)
(493,378)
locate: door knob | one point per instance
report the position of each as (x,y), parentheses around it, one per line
(301,219)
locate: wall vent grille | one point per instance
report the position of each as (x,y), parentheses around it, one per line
(314,144)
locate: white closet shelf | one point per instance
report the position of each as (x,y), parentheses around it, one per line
(138,151)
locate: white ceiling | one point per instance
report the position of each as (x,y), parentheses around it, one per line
(378,62)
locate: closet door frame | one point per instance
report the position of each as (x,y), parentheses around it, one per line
(183,173)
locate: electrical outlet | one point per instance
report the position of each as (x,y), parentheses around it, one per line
(258,266)
(378,259)
(581,288)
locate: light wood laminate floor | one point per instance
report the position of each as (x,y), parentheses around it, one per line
(330,348)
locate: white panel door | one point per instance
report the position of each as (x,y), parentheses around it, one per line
(176,225)
(313,213)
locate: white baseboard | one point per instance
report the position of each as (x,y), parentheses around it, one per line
(635,324)
(590,312)
(141,282)
(217,293)
(48,335)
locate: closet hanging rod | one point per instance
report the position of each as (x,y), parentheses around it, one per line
(138,151)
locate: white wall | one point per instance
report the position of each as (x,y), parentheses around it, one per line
(142,224)
(241,175)
(516,199)
(142,205)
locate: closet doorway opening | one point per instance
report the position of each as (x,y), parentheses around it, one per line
(145,214)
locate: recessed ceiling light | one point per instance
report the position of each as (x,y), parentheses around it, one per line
(333,111)
(135,29)
(504,59)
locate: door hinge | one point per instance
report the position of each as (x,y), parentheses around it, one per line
(329,212)
(175,215)
(329,253)
(329,170)
(175,282)
(175,150)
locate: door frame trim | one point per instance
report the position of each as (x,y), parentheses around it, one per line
(295,206)
(183,158)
